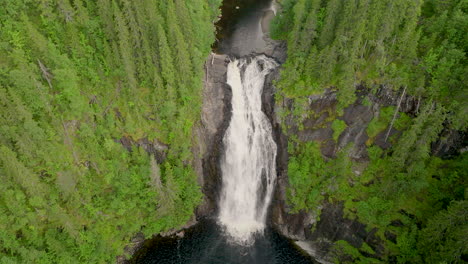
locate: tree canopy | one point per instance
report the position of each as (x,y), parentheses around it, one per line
(77,79)
(415,48)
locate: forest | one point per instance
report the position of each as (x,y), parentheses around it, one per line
(414,201)
(87,87)
(77,78)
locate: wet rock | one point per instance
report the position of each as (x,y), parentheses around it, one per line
(380,138)
(450,143)
(325,101)
(386,96)
(268,96)
(328,149)
(179,232)
(135,244)
(155,148)
(357,117)
(215,117)
(355,134)
(275,49)
(357,114)
(320,134)
(333,226)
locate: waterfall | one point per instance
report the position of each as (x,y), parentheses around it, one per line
(248,164)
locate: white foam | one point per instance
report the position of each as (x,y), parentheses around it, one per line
(248,165)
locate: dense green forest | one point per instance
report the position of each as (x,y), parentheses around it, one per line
(415,201)
(85,85)
(77,76)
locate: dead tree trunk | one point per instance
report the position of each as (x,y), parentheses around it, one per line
(45,73)
(395,114)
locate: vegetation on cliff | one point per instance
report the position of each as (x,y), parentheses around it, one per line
(77,78)
(415,201)
(98,99)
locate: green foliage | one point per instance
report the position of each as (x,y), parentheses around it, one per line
(444,238)
(76,78)
(346,253)
(402,122)
(443,49)
(379,123)
(406,243)
(374,211)
(403,190)
(345,248)
(306,170)
(409,187)
(339,44)
(338,127)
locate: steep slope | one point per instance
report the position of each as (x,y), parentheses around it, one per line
(97,104)
(372,99)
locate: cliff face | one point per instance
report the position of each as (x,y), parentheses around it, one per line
(319,232)
(216,114)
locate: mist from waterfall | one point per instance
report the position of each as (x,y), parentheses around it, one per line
(248,164)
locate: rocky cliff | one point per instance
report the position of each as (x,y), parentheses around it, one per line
(216,114)
(317,233)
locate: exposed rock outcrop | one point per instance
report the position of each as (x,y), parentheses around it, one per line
(332,225)
(318,236)
(155,148)
(216,114)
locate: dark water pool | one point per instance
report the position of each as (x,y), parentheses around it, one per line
(206,244)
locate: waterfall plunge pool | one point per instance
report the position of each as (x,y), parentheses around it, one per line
(205,243)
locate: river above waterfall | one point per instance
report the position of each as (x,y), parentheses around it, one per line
(243,25)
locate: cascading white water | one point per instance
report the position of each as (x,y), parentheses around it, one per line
(248,165)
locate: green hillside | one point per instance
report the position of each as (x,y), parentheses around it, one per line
(416,48)
(77,77)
